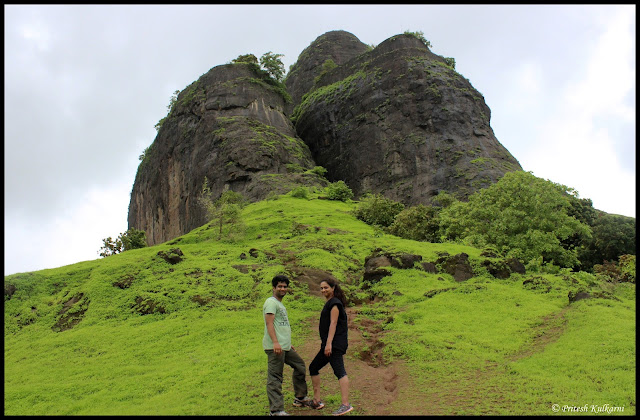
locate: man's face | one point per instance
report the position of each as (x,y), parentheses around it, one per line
(281,289)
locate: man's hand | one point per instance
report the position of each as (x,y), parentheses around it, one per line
(269,318)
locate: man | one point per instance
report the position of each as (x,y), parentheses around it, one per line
(277,345)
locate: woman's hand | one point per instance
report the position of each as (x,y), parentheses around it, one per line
(327,350)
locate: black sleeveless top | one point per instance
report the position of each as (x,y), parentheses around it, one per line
(340,338)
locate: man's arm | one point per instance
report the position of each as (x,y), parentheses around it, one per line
(269,318)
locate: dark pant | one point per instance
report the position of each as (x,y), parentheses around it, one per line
(320,361)
(275,370)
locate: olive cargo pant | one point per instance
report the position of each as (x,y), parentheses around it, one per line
(275,370)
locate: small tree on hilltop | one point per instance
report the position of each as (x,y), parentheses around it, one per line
(273,65)
(131,239)
(420,36)
(247,58)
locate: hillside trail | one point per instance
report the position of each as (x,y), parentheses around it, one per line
(377,388)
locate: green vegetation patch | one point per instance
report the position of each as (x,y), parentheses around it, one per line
(514,346)
(336,91)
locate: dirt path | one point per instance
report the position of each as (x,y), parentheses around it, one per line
(375,388)
(387,389)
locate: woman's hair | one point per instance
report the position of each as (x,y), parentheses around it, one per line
(337,291)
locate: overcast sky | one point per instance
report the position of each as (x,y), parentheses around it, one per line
(85,85)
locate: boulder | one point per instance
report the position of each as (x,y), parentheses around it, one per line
(457,266)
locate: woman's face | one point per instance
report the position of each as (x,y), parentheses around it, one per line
(326,290)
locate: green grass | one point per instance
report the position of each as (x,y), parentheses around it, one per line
(202,353)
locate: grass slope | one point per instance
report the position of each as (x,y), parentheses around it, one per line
(132,334)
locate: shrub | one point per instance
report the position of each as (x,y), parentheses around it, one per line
(627,265)
(246,58)
(623,271)
(375,209)
(420,36)
(419,223)
(338,191)
(300,192)
(172,103)
(318,170)
(451,62)
(131,239)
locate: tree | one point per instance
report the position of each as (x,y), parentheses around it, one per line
(522,215)
(225,211)
(582,209)
(375,209)
(131,239)
(419,223)
(443,199)
(247,58)
(613,235)
(273,65)
(110,247)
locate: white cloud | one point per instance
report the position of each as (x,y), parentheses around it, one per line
(610,73)
(84,86)
(525,84)
(74,235)
(575,147)
(37,35)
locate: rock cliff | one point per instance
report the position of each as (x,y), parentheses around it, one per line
(228,126)
(398,120)
(395,119)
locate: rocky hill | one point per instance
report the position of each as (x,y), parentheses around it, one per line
(229,126)
(395,119)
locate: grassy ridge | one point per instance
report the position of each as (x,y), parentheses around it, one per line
(198,351)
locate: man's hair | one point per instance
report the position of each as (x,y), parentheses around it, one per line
(280,278)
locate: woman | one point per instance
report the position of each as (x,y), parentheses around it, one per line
(334,342)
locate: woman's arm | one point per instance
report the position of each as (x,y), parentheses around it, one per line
(335,312)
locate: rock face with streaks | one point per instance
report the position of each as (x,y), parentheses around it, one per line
(400,121)
(229,126)
(396,119)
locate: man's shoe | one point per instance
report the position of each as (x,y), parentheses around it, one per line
(343,410)
(279,413)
